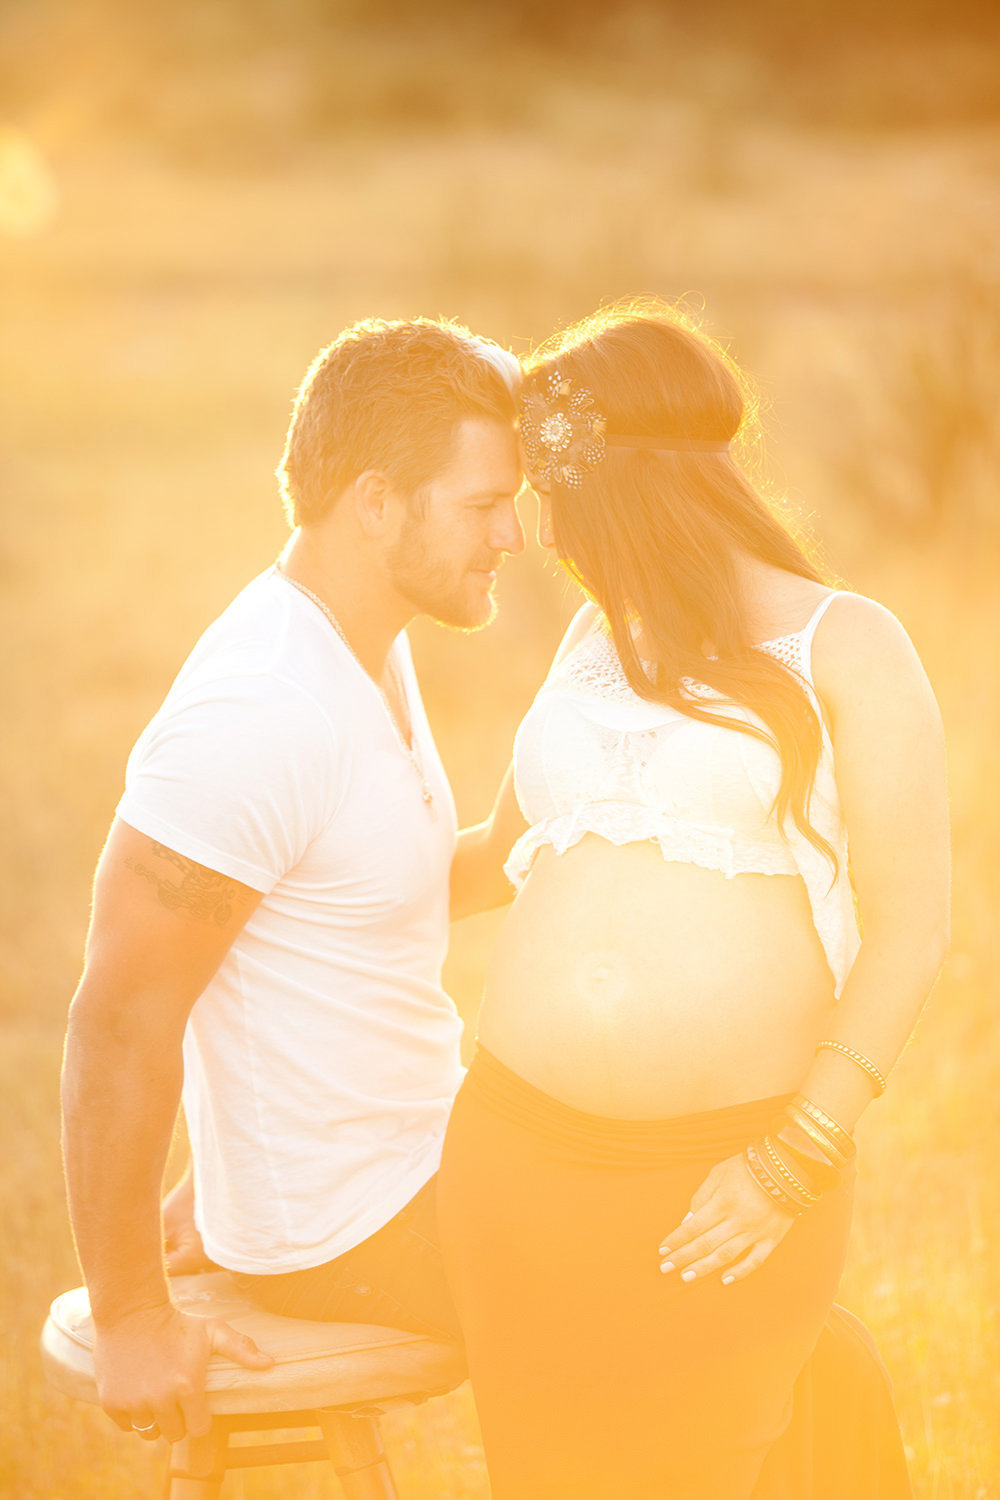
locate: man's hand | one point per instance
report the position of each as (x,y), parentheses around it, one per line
(150,1369)
(183,1249)
(182,1245)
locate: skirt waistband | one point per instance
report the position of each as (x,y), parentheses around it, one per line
(710,1135)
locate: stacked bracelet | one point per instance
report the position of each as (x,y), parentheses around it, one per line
(818,1166)
(866,1065)
(824,1144)
(801,1157)
(836,1133)
(765,1179)
(789,1181)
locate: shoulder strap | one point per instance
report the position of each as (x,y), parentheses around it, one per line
(809,629)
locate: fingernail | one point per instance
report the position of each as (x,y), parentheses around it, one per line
(688,1275)
(728,1280)
(665,1250)
(668,1265)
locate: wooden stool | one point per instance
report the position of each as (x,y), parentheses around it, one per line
(338,1377)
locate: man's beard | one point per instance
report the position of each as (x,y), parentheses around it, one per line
(432,589)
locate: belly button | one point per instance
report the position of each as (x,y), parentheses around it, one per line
(602,980)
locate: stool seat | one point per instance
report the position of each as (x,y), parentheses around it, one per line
(315,1364)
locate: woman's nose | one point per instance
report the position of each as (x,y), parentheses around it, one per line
(544,532)
(509,533)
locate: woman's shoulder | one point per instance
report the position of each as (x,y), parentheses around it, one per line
(860,648)
(853,624)
(582,624)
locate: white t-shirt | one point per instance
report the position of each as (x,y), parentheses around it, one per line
(321,1062)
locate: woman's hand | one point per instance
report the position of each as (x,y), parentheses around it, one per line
(733,1226)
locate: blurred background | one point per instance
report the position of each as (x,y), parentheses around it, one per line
(196,195)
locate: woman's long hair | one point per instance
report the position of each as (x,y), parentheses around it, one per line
(652,535)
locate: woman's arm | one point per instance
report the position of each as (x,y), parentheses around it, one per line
(890,765)
(477,879)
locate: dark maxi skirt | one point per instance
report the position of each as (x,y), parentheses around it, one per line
(596,1376)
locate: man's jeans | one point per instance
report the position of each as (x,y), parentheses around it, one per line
(395,1277)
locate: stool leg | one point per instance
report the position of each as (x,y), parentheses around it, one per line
(356,1452)
(183,1487)
(198,1466)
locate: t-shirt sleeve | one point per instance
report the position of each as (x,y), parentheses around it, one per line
(240,775)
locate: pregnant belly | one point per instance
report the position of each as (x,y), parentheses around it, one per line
(629,986)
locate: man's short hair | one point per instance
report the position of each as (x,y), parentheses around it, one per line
(388,395)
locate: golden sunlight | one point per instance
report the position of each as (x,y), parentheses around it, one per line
(195,196)
(29,197)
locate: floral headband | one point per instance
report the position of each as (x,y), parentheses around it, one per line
(565,436)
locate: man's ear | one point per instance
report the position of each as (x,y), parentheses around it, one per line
(376,504)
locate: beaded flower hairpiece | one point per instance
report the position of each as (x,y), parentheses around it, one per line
(564,434)
(562,431)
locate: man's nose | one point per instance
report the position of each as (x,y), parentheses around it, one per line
(508,533)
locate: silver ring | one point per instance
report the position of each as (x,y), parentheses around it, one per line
(151,1428)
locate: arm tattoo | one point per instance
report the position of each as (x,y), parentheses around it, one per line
(200,892)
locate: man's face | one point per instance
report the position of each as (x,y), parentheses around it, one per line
(455,535)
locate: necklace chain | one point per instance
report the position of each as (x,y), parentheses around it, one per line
(409,749)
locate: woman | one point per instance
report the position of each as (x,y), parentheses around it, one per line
(646,1188)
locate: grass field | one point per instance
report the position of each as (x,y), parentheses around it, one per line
(153,330)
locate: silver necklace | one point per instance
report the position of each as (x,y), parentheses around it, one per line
(409,749)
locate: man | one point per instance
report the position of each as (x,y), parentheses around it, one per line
(271,908)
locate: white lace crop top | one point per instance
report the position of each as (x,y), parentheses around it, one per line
(591,756)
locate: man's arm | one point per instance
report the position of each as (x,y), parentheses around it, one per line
(477,879)
(161,926)
(478,882)
(182,1244)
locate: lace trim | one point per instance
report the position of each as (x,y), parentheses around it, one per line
(594,667)
(680,841)
(788,650)
(712,849)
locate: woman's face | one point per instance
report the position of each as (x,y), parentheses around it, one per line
(543,494)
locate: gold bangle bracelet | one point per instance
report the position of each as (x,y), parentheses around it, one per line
(815,1166)
(816,1133)
(762,1177)
(836,1132)
(863,1062)
(789,1181)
